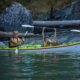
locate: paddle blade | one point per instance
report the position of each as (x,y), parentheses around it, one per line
(26,33)
(16,51)
(75,30)
(28,26)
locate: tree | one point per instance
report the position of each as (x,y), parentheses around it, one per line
(52,4)
(4,4)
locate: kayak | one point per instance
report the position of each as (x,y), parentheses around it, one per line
(65,47)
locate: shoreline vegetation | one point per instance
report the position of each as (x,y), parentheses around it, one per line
(37,7)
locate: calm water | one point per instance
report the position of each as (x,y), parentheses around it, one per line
(40,67)
(48,66)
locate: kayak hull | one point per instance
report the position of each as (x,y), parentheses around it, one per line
(74,48)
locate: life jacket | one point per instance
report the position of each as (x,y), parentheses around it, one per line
(45,44)
(16,40)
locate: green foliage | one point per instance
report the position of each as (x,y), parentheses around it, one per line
(36,6)
(4,4)
(24,2)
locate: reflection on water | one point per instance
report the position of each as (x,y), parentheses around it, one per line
(40,67)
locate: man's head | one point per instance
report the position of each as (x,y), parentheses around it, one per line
(15,33)
(46,37)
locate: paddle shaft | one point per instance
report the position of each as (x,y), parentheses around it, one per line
(43,34)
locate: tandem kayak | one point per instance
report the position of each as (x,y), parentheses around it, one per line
(65,47)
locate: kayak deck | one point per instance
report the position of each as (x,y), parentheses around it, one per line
(38,46)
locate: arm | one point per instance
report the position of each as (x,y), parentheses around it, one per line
(22,40)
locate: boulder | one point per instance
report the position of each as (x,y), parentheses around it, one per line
(13,17)
(2,44)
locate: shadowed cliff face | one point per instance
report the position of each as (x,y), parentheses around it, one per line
(13,17)
(69,12)
(40,7)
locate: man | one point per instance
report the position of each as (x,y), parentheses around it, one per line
(15,40)
(49,42)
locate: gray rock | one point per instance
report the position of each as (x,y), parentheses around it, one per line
(2,44)
(13,17)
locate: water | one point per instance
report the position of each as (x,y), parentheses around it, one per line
(40,67)
(48,66)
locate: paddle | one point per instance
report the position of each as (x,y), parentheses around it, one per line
(75,30)
(25,26)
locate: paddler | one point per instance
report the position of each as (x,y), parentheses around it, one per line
(15,40)
(49,42)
